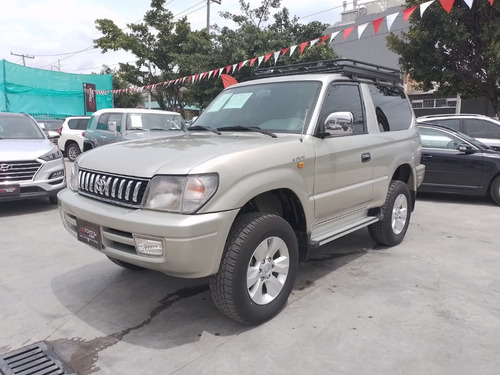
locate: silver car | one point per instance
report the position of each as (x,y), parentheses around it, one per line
(30,165)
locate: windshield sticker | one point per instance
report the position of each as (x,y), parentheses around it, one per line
(238,100)
(135,121)
(219,103)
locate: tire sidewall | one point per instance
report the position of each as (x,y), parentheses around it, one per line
(401,188)
(77,151)
(495,190)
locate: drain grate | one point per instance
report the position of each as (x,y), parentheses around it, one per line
(36,359)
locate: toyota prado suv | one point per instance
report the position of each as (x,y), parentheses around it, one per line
(272,169)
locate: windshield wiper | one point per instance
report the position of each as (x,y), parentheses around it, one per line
(249,128)
(207,128)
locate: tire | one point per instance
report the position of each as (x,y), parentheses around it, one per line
(72,150)
(396,212)
(495,190)
(261,253)
(53,199)
(123,264)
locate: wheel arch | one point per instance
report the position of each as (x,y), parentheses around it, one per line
(406,174)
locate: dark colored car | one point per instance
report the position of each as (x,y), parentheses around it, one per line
(456,163)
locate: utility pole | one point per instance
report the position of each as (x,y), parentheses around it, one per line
(23,56)
(208,13)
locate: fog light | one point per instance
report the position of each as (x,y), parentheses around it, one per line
(56,174)
(148,246)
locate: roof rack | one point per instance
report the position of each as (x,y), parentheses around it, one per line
(348,67)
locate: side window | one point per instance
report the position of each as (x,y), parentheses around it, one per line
(480,128)
(82,124)
(344,98)
(73,124)
(438,140)
(102,123)
(117,119)
(392,107)
(453,123)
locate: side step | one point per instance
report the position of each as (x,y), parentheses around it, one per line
(342,231)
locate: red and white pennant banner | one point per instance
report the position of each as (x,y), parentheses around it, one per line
(230,69)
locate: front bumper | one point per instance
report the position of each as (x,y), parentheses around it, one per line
(193,243)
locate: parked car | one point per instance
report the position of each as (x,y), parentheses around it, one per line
(72,136)
(483,128)
(30,165)
(459,164)
(51,129)
(271,170)
(113,125)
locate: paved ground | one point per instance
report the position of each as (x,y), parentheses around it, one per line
(428,306)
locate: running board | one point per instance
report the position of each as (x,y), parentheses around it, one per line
(342,231)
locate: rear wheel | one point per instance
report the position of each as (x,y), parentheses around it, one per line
(495,190)
(257,270)
(396,212)
(123,264)
(72,150)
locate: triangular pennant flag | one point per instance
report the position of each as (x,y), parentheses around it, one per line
(210,74)
(196,77)
(276,55)
(204,75)
(240,65)
(469,3)
(390,20)
(268,56)
(376,24)
(424,6)
(252,61)
(313,42)
(221,70)
(348,31)
(260,60)
(234,68)
(228,80)
(215,72)
(448,4)
(407,12)
(323,39)
(292,49)
(284,51)
(244,63)
(334,35)
(228,68)
(491,2)
(189,79)
(361,28)
(302,47)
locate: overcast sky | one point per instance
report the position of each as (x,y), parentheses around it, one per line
(54,30)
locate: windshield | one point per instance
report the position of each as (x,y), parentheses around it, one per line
(19,128)
(279,107)
(154,121)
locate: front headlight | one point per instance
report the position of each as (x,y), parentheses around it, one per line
(73,177)
(53,154)
(184,194)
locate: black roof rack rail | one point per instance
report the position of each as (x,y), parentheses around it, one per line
(352,68)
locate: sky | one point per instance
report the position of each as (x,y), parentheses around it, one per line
(59,34)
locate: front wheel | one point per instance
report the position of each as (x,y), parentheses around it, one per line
(495,190)
(257,270)
(396,212)
(73,151)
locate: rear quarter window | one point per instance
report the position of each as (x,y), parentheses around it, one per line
(392,107)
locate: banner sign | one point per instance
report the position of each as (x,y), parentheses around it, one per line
(89,97)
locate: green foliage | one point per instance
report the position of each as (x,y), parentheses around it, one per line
(168,50)
(458,52)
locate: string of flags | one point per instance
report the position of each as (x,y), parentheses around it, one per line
(257,61)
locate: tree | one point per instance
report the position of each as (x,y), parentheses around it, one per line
(457,52)
(122,79)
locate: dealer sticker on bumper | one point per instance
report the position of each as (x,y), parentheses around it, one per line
(89,233)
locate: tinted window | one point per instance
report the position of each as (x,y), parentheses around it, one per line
(392,107)
(480,128)
(432,138)
(78,124)
(344,98)
(102,123)
(19,128)
(453,123)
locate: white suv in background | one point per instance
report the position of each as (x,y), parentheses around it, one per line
(72,136)
(483,128)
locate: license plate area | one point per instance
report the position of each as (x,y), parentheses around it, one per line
(10,190)
(89,233)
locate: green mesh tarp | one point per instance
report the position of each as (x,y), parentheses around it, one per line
(49,93)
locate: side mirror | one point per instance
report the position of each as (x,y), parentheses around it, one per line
(339,124)
(465,148)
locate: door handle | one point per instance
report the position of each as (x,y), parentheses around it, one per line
(366,157)
(426,157)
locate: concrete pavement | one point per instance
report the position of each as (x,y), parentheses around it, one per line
(428,306)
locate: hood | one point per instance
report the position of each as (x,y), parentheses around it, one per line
(24,149)
(174,155)
(138,134)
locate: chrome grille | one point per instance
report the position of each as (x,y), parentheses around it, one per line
(13,171)
(120,190)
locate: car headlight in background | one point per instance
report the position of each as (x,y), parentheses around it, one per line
(184,194)
(73,177)
(54,154)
